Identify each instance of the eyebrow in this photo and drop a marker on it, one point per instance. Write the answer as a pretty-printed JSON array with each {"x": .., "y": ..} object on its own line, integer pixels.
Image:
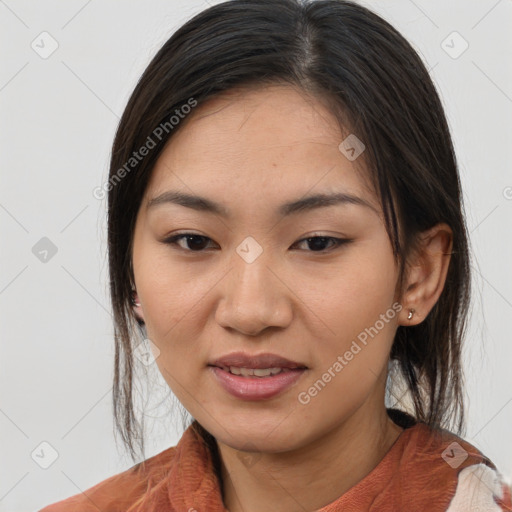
[{"x": 308, "y": 203}]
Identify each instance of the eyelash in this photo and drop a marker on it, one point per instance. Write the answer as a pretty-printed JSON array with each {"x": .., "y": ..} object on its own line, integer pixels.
[{"x": 338, "y": 242}]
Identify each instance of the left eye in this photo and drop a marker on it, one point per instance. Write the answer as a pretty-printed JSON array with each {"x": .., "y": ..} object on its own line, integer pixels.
[
  {"x": 319, "y": 241},
  {"x": 196, "y": 243}
]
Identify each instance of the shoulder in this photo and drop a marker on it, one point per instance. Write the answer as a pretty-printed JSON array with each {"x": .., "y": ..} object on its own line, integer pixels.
[
  {"x": 118, "y": 492},
  {"x": 447, "y": 469},
  {"x": 480, "y": 487}
]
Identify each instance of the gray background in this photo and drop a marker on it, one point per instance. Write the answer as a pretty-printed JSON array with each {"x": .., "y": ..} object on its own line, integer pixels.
[{"x": 58, "y": 118}]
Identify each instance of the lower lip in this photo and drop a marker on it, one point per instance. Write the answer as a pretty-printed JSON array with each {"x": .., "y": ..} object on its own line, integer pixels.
[{"x": 256, "y": 388}]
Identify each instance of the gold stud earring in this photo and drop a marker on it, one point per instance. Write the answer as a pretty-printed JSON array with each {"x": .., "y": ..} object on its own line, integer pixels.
[{"x": 411, "y": 313}]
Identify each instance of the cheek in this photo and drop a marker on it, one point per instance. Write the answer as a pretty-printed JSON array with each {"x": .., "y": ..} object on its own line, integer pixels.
[
  {"x": 358, "y": 291},
  {"x": 174, "y": 296},
  {"x": 358, "y": 310},
  {"x": 171, "y": 305},
  {"x": 167, "y": 287}
]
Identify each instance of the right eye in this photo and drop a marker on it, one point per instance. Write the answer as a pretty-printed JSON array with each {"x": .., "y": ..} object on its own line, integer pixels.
[{"x": 193, "y": 242}]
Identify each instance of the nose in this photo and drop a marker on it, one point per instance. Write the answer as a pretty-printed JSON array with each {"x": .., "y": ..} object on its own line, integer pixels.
[{"x": 254, "y": 297}]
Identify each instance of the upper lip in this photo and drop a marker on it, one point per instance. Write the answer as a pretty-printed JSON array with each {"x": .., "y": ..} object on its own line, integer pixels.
[{"x": 266, "y": 360}]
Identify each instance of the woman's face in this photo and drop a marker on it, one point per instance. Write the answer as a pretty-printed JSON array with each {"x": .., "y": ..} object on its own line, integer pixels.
[{"x": 249, "y": 282}]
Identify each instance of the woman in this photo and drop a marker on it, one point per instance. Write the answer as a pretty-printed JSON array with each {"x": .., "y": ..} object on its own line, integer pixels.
[{"x": 286, "y": 227}]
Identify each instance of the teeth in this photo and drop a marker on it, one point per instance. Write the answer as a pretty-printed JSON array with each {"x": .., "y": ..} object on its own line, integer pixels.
[
  {"x": 254, "y": 372},
  {"x": 265, "y": 372}
]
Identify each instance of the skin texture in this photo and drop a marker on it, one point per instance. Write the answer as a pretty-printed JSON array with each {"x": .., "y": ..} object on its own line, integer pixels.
[{"x": 252, "y": 150}]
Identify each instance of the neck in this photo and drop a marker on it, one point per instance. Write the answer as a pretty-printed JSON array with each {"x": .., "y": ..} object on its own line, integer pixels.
[{"x": 311, "y": 476}]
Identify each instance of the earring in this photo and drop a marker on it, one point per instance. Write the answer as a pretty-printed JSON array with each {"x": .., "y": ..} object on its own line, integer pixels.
[
  {"x": 411, "y": 313},
  {"x": 134, "y": 301}
]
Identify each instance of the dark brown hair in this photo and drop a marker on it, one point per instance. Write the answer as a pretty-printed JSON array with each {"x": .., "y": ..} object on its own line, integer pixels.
[{"x": 379, "y": 89}]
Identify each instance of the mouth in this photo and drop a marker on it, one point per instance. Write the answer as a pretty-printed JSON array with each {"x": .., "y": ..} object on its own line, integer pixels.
[
  {"x": 257, "y": 372},
  {"x": 256, "y": 377},
  {"x": 251, "y": 362}
]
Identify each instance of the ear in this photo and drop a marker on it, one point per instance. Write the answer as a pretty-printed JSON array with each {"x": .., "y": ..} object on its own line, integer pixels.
[
  {"x": 137, "y": 308},
  {"x": 426, "y": 273}
]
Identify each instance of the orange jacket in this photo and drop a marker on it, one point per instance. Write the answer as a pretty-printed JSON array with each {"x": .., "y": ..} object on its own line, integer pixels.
[{"x": 424, "y": 470}]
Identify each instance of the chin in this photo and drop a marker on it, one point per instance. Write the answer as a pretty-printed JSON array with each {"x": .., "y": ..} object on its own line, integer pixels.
[{"x": 270, "y": 435}]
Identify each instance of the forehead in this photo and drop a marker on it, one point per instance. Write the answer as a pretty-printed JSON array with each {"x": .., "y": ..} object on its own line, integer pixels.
[
  {"x": 267, "y": 116},
  {"x": 275, "y": 139}
]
